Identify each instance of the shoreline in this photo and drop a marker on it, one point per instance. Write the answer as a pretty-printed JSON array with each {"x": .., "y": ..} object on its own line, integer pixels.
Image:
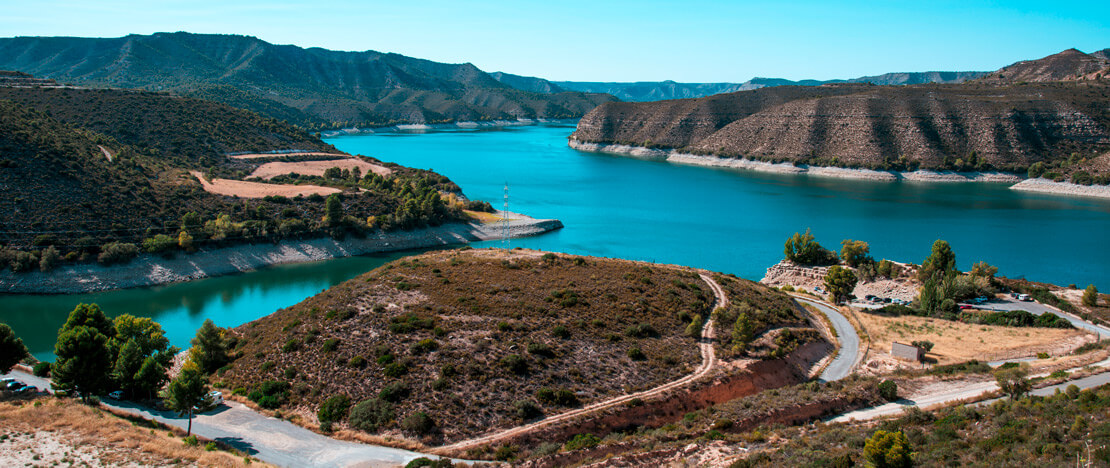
[
  {"x": 676, "y": 157},
  {"x": 463, "y": 125},
  {"x": 1041, "y": 185},
  {"x": 154, "y": 270}
]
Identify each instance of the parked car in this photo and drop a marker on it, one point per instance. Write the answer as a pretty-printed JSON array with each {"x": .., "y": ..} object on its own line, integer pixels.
[
  {"x": 216, "y": 397},
  {"x": 116, "y": 395},
  {"x": 979, "y": 300},
  {"x": 27, "y": 390},
  {"x": 869, "y": 297},
  {"x": 1025, "y": 298},
  {"x": 7, "y": 380},
  {"x": 14, "y": 385},
  {"x": 966, "y": 306},
  {"x": 1015, "y": 295}
]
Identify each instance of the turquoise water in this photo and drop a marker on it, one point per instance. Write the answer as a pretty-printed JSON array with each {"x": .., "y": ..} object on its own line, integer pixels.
[
  {"x": 181, "y": 308},
  {"x": 737, "y": 221},
  {"x": 615, "y": 206}
]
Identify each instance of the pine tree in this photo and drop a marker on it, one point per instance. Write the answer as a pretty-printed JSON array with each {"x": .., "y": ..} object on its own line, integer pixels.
[
  {"x": 187, "y": 391},
  {"x": 12, "y": 349},
  {"x": 209, "y": 350}
]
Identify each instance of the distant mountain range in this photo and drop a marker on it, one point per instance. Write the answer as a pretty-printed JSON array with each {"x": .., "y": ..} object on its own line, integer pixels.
[
  {"x": 1051, "y": 110},
  {"x": 642, "y": 91},
  {"x": 314, "y": 88}
]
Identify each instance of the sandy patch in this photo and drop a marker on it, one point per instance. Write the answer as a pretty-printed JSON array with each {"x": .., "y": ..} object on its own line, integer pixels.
[
  {"x": 239, "y": 188},
  {"x": 958, "y": 342},
  {"x": 281, "y": 155},
  {"x": 107, "y": 154},
  {"x": 1041, "y": 185},
  {"x": 316, "y": 168}
]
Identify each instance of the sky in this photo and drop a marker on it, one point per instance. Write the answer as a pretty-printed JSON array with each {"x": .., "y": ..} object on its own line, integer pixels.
[{"x": 598, "y": 40}]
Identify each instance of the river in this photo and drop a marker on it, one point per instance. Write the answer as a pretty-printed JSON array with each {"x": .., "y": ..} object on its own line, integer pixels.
[{"x": 616, "y": 206}]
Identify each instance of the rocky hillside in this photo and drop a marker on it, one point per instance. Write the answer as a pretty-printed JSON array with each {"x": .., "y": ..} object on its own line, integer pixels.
[
  {"x": 82, "y": 169},
  {"x": 968, "y": 126},
  {"x": 1069, "y": 65},
  {"x": 314, "y": 88},
  {"x": 484, "y": 339}
]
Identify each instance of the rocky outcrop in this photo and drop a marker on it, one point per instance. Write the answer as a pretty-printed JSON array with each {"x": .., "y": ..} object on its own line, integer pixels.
[{"x": 906, "y": 127}]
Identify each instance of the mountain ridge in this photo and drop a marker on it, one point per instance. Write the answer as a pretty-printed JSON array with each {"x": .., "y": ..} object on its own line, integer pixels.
[{"x": 315, "y": 88}]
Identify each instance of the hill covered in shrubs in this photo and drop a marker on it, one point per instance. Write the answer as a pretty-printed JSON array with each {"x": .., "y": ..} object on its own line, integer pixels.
[
  {"x": 105, "y": 174},
  {"x": 449, "y": 345}
]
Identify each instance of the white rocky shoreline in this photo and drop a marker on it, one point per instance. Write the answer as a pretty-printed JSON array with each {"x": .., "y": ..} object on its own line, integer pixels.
[
  {"x": 1038, "y": 185},
  {"x": 463, "y": 125},
  {"x": 151, "y": 270},
  {"x": 674, "y": 156}
]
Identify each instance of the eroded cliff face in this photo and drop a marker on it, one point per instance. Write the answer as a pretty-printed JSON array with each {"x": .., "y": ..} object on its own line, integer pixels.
[{"x": 1007, "y": 126}]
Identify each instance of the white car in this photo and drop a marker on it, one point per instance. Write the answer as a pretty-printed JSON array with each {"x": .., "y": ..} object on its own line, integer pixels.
[{"x": 216, "y": 397}]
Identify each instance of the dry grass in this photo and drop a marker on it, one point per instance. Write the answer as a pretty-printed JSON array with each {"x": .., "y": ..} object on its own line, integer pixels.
[
  {"x": 50, "y": 430},
  {"x": 958, "y": 342},
  {"x": 281, "y": 155},
  {"x": 239, "y": 188},
  {"x": 483, "y": 217},
  {"x": 316, "y": 168},
  {"x": 487, "y": 306}
]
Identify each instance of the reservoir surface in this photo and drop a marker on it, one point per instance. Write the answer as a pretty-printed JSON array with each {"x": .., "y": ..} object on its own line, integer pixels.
[{"x": 615, "y": 206}]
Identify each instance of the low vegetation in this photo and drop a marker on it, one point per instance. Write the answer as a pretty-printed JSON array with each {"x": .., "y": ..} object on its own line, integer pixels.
[
  {"x": 1034, "y": 431},
  {"x": 448, "y": 345},
  {"x": 59, "y": 432},
  {"x": 87, "y": 181},
  {"x": 759, "y": 323}
]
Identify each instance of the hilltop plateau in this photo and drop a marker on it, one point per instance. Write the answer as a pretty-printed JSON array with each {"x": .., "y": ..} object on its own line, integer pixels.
[
  {"x": 447, "y": 346},
  {"x": 314, "y": 88}
]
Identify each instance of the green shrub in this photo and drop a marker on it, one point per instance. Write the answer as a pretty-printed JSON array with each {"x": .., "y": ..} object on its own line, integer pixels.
[
  {"x": 394, "y": 392},
  {"x": 330, "y": 345},
  {"x": 395, "y": 369},
  {"x": 540, "y": 349},
  {"x": 270, "y": 394},
  {"x": 560, "y": 332},
  {"x": 888, "y": 390},
  {"x": 357, "y": 362},
  {"x": 408, "y": 322},
  {"x": 426, "y": 345},
  {"x": 636, "y": 354},
  {"x": 290, "y": 346},
  {"x": 583, "y": 441},
  {"x": 42, "y": 369},
  {"x": 428, "y": 462},
  {"x": 371, "y": 415},
  {"x": 642, "y": 330},
  {"x": 290, "y": 372},
  {"x": 333, "y": 409},
  {"x": 267, "y": 366},
  {"x": 190, "y": 441},
  {"x": 561, "y": 397},
  {"x": 418, "y": 423},
  {"x": 526, "y": 409},
  {"x": 515, "y": 363},
  {"x": 117, "y": 252}
]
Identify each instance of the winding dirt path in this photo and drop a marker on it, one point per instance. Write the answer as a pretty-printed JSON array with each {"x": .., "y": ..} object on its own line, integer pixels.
[{"x": 708, "y": 362}]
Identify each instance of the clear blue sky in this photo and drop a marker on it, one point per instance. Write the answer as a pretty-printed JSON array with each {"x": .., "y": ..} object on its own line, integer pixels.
[{"x": 598, "y": 40}]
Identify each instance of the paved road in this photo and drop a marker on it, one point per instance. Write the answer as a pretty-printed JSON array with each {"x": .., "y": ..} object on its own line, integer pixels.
[
  {"x": 269, "y": 439},
  {"x": 847, "y": 358},
  {"x": 1036, "y": 308},
  {"x": 968, "y": 392}
]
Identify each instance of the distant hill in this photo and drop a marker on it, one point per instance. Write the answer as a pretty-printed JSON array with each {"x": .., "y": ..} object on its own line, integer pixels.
[
  {"x": 662, "y": 90},
  {"x": 969, "y": 126},
  {"x": 1068, "y": 65},
  {"x": 83, "y": 168},
  {"x": 315, "y": 88}
]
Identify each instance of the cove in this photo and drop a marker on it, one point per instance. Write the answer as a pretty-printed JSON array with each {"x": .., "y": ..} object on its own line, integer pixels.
[{"x": 616, "y": 206}]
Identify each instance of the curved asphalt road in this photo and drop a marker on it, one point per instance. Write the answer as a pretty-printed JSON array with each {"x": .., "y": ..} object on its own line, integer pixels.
[
  {"x": 269, "y": 439},
  {"x": 846, "y": 358}
]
